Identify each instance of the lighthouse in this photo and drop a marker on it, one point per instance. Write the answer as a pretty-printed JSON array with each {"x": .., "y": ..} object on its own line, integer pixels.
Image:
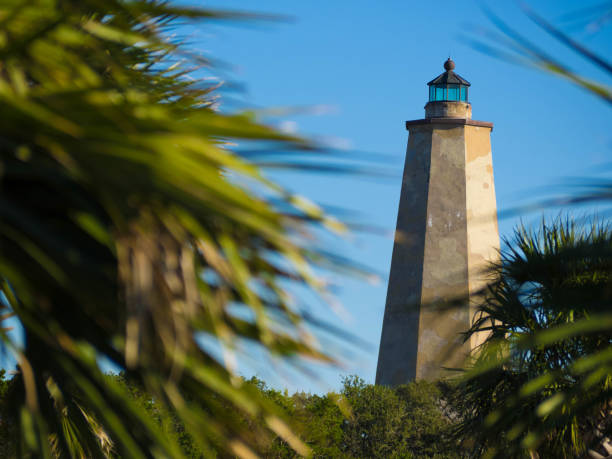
[{"x": 446, "y": 235}]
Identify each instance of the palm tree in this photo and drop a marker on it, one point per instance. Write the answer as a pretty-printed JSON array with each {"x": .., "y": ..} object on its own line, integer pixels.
[
  {"x": 541, "y": 382},
  {"x": 130, "y": 231}
]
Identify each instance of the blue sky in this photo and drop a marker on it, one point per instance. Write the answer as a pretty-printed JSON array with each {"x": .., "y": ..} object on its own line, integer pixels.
[{"x": 362, "y": 68}]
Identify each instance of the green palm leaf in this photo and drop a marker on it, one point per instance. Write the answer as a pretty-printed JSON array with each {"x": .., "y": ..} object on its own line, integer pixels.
[
  {"x": 128, "y": 228},
  {"x": 541, "y": 380}
]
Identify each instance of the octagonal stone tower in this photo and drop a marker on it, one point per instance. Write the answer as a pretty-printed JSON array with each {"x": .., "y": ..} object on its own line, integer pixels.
[{"x": 445, "y": 236}]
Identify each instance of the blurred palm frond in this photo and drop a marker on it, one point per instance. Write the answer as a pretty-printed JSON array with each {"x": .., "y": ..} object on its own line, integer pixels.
[{"x": 129, "y": 227}]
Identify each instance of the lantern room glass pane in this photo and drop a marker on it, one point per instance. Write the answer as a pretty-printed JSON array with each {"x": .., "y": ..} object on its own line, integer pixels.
[{"x": 451, "y": 92}]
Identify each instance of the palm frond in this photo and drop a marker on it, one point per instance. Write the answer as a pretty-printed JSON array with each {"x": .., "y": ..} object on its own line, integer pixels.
[{"x": 129, "y": 227}]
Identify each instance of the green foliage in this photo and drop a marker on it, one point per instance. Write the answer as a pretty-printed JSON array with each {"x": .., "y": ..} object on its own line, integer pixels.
[
  {"x": 8, "y": 429},
  {"x": 361, "y": 421},
  {"x": 403, "y": 422},
  {"x": 368, "y": 421},
  {"x": 546, "y": 388},
  {"x": 542, "y": 379},
  {"x": 167, "y": 421},
  {"x": 128, "y": 228},
  {"x": 512, "y": 46}
]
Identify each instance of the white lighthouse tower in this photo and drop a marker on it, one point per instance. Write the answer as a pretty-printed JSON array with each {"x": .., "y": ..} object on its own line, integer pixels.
[{"x": 445, "y": 236}]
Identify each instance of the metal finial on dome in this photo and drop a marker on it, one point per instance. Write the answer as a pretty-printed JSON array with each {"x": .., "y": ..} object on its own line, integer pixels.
[{"x": 449, "y": 65}]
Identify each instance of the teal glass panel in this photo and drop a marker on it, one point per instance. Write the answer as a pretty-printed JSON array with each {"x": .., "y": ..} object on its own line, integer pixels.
[
  {"x": 453, "y": 92},
  {"x": 464, "y": 93},
  {"x": 440, "y": 92},
  {"x": 432, "y": 93}
]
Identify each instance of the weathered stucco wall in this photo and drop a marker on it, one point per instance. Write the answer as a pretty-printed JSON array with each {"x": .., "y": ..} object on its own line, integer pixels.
[
  {"x": 445, "y": 269},
  {"x": 446, "y": 233},
  {"x": 483, "y": 232},
  {"x": 399, "y": 339},
  {"x": 448, "y": 109}
]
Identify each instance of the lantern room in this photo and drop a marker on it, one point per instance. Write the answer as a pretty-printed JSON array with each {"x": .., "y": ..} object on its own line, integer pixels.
[{"x": 448, "y": 86}]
